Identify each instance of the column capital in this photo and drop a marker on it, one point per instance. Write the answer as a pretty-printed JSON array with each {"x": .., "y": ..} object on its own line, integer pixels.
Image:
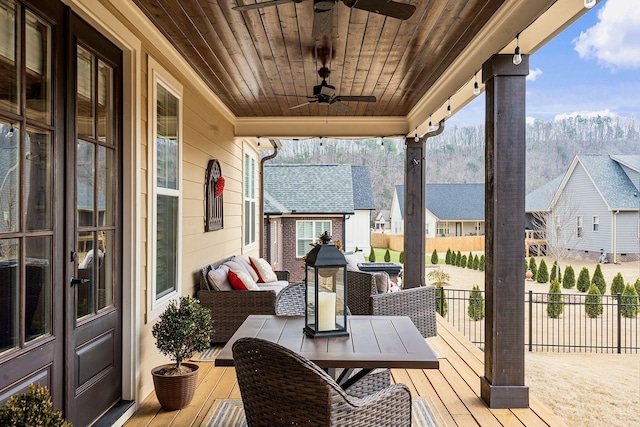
[{"x": 502, "y": 65}]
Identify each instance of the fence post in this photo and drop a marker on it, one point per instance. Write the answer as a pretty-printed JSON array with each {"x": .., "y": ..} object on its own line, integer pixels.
[
  {"x": 619, "y": 295},
  {"x": 530, "y": 320}
]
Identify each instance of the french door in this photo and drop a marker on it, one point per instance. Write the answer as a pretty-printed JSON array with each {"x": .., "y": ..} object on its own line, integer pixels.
[{"x": 60, "y": 209}]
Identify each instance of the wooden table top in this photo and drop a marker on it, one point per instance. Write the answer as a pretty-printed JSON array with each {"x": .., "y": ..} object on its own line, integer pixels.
[{"x": 373, "y": 342}]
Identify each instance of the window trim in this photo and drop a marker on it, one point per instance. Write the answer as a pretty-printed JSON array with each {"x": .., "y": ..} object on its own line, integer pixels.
[
  {"x": 316, "y": 233},
  {"x": 595, "y": 223},
  {"x": 249, "y": 178},
  {"x": 158, "y": 75},
  {"x": 580, "y": 226}
]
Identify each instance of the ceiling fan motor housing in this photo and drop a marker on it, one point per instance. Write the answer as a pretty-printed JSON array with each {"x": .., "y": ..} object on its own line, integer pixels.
[{"x": 322, "y": 5}]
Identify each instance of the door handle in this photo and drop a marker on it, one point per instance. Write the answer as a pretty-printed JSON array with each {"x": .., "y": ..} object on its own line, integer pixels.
[{"x": 76, "y": 281}]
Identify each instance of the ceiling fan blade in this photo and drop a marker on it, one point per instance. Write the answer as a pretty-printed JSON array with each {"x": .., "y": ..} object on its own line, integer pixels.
[
  {"x": 263, "y": 4},
  {"x": 300, "y": 105},
  {"x": 343, "y": 108},
  {"x": 383, "y": 7},
  {"x": 357, "y": 98},
  {"x": 322, "y": 23}
]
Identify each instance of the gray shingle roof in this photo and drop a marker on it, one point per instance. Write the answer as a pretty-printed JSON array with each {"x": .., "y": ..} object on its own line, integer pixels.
[
  {"x": 448, "y": 202},
  {"x": 611, "y": 181},
  {"x": 540, "y": 199},
  {"x": 316, "y": 189}
]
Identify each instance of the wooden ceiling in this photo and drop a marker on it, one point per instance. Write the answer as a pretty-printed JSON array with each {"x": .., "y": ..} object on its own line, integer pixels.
[{"x": 261, "y": 62}]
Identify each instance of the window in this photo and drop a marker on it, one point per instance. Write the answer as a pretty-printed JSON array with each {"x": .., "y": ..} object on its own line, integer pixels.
[
  {"x": 274, "y": 243},
  {"x": 579, "y": 224},
  {"x": 165, "y": 168},
  {"x": 426, "y": 229},
  {"x": 249, "y": 199},
  {"x": 443, "y": 229},
  {"x": 596, "y": 223},
  {"x": 307, "y": 232}
]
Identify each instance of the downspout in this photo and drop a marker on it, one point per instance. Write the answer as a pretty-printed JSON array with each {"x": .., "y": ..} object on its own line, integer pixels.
[
  {"x": 276, "y": 144},
  {"x": 614, "y": 231}
]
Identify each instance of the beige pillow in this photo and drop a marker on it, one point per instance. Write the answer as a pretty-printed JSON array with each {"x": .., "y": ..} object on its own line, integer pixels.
[
  {"x": 242, "y": 281},
  {"x": 218, "y": 278},
  {"x": 244, "y": 261},
  {"x": 382, "y": 281},
  {"x": 263, "y": 269}
]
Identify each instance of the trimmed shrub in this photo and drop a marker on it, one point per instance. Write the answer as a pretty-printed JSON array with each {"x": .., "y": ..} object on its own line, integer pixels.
[
  {"x": 481, "y": 265},
  {"x": 463, "y": 261},
  {"x": 33, "y": 408},
  {"x": 458, "y": 259},
  {"x": 593, "y": 302},
  {"x": 555, "y": 305},
  {"x": 629, "y": 302},
  {"x": 387, "y": 256},
  {"x": 543, "y": 275},
  {"x": 637, "y": 286},
  {"x": 533, "y": 267},
  {"x": 476, "y": 262},
  {"x": 470, "y": 261},
  {"x": 476, "y": 304},
  {"x": 442, "y": 307},
  {"x": 569, "y": 279},
  {"x": 598, "y": 280},
  {"x": 401, "y": 257},
  {"x": 434, "y": 257},
  {"x": 559, "y": 275},
  {"x": 372, "y": 255},
  {"x": 447, "y": 258},
  {"x": 583, "y": 280},
  {"x": 554, "y": 271},
  {"x": 617, "y": 285}
]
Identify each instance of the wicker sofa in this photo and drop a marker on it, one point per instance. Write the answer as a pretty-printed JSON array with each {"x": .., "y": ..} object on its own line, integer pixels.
[
  {"x": 229, "y": 308},
  {"x": 365, "y": 298}
]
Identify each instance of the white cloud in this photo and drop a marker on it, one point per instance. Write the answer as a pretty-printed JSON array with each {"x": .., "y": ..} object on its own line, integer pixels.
[
  {"x": 531, "y": 120},
  {"x": 586, "y": 114},
  {"x": 533, "y": 74},
  {"x": 615, "y": 40}
]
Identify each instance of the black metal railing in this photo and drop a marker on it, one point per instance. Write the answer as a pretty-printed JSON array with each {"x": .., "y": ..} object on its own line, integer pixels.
[{"x": 571, "y": 324}]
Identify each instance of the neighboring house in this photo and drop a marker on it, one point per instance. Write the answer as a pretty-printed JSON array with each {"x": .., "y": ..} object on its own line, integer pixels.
[
  {"x": 452, "y": 210},
  {"x": 598, "y": 200},
  {"x": 303, "y": 201},
  {"x": 382, "y": 222}
]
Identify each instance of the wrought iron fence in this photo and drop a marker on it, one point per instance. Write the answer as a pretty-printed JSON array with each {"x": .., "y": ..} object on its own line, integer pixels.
[{"x": 572, "y": 323}]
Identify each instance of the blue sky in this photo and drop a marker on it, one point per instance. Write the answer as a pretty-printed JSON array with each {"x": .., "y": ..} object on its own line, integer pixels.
[{"x": 592, "y": 67}]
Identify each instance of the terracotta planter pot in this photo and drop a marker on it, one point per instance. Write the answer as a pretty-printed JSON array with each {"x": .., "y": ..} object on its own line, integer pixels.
[{"x": 176, "y": 391}]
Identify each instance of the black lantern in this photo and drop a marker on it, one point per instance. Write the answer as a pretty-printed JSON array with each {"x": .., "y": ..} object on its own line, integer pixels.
[{"x": 326, "y": 291}]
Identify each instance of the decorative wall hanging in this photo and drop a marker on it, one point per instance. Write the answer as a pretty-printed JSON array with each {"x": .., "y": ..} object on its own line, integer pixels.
[{"x": 214, "y": 188}]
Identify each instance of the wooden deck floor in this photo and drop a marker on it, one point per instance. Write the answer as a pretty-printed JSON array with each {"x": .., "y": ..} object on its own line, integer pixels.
[{"x": 453, "y": 390}]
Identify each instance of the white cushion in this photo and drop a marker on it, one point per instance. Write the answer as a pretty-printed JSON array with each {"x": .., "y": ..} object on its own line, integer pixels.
[
  {"x": 218, "y": 279},
  {"x": 353, "y": 260},
  {"x": 276, "y": 286},
  {"x": 247, "y": 266},
  {"x": 263, "y": 269}
]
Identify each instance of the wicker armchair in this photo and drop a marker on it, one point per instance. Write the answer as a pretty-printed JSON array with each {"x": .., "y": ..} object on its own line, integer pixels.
[
  {"x": 282, "y": 388},
  {"x": 417, "y": 303},
  {"x": 229, "y": 309}
]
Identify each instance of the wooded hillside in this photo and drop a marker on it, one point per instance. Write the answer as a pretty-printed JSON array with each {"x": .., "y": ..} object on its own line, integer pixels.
[{"x": 457, "y": 155}]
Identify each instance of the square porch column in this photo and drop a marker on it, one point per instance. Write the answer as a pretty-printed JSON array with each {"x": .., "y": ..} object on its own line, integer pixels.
[
  {"x": 502, "y": 385},
  {"x": 415, "y": 213}
]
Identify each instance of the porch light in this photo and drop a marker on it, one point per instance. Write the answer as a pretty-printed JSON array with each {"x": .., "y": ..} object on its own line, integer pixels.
[
  {"x": 517, "y": 57},
  {"x": 325, "y": 291},
  {"x": 476, "y": 87},
  {"x": 589, "y": 3}
]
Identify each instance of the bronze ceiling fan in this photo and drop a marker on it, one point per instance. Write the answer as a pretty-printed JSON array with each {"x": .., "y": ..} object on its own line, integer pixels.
[
  {"x": 323, "y": 10},
  {"x": 325, "y": 94}
]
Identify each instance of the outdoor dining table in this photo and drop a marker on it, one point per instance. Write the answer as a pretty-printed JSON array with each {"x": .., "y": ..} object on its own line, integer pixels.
[{"x": 373, "y": 342}]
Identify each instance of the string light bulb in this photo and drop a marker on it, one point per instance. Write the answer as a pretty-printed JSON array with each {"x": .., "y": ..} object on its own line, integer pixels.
[
  {"x": 10, "y": 133},
  {"x": 430, "y": 120},
  {"x": 589, "y": 3},
  {"x": 449, "y": 108},
  {"x": 476, "y": 87},
  {"x": 415, "y": 138},
  {"x": 517, "y": 57}
]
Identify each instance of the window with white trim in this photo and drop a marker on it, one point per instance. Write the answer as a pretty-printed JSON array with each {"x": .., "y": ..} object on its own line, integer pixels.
[
  {"x": 596, "y": 223},
  {"x": 442, "y": 229},
  {"x": 307, "y": 232},
  {"x": 165, "y": 167},
  {"x": 249, "y": 199},
  {"x": 579, "y": 225}
]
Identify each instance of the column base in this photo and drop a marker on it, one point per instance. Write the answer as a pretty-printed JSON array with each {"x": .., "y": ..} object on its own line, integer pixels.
[{"x": 502, "y": 397}]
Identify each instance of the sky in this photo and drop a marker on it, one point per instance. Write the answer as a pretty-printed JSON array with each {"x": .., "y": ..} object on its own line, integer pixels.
[{"x": 591, "y": 68}]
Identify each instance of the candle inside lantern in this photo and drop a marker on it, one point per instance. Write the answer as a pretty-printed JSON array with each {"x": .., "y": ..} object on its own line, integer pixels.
[{"x": 326, "y": 311}]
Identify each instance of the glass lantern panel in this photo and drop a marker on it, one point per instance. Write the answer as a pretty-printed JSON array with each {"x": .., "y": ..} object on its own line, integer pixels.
[{"x": 311, "y": 297}]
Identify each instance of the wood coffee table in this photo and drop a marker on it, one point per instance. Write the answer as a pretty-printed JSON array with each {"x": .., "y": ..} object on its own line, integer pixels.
[{"x": 373, "y": 342}]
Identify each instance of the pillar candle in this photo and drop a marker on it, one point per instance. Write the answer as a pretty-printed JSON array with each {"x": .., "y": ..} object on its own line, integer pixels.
[{"x": 326, "y": 311}]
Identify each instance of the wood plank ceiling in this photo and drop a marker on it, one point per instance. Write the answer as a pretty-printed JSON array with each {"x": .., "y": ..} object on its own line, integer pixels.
[{"x": 261, "y": 62}]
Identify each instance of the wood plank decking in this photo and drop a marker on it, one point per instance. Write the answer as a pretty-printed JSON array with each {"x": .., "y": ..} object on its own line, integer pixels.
[{"x": 453, "y": 390}]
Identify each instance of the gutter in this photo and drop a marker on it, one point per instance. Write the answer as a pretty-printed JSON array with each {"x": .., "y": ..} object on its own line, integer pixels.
[
  {"x": 614, "y": 231},
  {"x": 276, "y": 146}
]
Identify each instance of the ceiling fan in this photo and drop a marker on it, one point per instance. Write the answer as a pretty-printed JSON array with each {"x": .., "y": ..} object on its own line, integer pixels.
[
  {"x": 325, "y": 94},
  {"x": 323, "y": 10}
]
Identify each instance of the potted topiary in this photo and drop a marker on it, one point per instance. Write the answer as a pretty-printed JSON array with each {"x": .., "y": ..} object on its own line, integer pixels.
[{"x": 182, "y": 329}]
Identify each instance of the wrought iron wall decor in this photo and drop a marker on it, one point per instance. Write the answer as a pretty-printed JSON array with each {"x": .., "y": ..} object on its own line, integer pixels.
[{"x": 214, "y": 186}]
